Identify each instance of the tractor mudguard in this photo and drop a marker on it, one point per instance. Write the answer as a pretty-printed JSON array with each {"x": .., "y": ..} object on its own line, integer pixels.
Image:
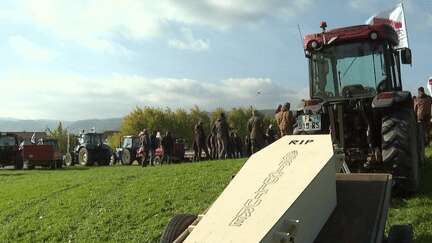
[{"x": 392, "y": 98}]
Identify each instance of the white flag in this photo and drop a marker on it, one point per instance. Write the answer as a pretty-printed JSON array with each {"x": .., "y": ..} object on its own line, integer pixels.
[
  {"x": 429, "y": 85},
  {"x": 395, "y": 18}
]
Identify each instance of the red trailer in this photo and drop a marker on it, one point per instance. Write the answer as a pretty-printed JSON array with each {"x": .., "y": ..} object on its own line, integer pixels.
[{"x": 45, "y": 155}]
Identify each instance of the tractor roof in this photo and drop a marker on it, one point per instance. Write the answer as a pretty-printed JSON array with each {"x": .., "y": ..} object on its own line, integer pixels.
[
  {"x": 8, "y": 134},
  {"x": 353, "y": 33},
  {"x": 130, "y": 136}
]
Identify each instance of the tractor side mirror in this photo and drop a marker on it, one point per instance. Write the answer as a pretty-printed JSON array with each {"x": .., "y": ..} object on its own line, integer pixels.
[{"x": 406, "y": 56}]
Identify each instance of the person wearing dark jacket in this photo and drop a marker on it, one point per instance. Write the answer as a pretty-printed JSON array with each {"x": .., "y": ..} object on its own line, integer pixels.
[
  {"x": 200, "y": 141},
  {"x": 153, "y": 144},
  {"x": 145, "y": 145},
  {"x": 167, "y": 147}
]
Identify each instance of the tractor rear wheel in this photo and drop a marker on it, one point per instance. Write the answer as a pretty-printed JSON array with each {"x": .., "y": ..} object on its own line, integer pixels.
[
  {"x": 126, "y": 157},
  {"x": 400, "y": 150},
  {"x": 176, "y": 226},
  {"x": 84, "y": 157}
]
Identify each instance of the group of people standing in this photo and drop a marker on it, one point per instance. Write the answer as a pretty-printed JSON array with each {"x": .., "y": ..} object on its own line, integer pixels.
[
  {"x": 222, "y": 143},
  {"x": 150, "y": 141}
]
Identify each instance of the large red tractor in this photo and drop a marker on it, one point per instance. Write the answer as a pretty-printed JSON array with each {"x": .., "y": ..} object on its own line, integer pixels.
[{"x": 356, "y": 95}]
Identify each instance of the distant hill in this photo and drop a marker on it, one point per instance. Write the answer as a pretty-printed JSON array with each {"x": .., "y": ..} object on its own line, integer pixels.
[
  {"x": 101, "y": 125},
  {"x": 17, "y": 125}
]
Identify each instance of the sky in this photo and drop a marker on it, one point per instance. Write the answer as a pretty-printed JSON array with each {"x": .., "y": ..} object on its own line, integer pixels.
[{"x": 84, "y": 59}]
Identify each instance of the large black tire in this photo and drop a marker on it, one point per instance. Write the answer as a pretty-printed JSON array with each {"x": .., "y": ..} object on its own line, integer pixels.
[
  {"x": 84, "y": 157},
  {"x": 126, "y": 157},
  {"x": 176, "y": 226},
  {"x": 106, "y": 158},
  {"x": 400, "y": 150},
  {"x": 401, "y": 234}
]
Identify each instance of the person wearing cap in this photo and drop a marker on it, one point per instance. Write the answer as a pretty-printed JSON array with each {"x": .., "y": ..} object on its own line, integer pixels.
[{"x": 422, "y": 109}]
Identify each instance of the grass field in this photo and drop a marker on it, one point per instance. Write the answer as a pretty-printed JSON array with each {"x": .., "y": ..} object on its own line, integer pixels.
[{"x": 133, "y": 204}]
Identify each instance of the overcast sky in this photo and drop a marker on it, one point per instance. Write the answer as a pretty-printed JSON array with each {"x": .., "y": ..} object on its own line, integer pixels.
[{"x": 80, "y": 59}]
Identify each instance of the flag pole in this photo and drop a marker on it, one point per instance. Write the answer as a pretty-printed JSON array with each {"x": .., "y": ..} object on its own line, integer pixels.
[{"x": 406, "y": 26}]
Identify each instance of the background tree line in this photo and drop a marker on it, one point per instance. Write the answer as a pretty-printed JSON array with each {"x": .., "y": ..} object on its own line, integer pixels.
[{"x": 181, "y": 122}]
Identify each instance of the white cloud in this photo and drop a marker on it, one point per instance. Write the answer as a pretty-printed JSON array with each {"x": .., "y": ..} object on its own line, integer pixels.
[
  {"x": 189, "y": 42},
  {"x": 30, "y": 50},
  {"x": 72, "y": 96},
  {"x": 97, "y": 23}
]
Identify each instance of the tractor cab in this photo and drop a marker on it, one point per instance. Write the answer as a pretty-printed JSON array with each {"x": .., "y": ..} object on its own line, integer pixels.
[
  {"x": 354, "y": 62},
  {"x": 8, "y": 140},
  {"x": 91, "y": 139},
  {"x": 130, "y": 142}
]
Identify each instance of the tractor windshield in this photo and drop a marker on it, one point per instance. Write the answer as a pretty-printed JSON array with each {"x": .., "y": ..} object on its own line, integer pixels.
[
  {"x": 7, "y": 141},
  {"x": 127, "y": 143},
  {"x": 95, "y": 139},
  {"x": 348, "y": 70}
]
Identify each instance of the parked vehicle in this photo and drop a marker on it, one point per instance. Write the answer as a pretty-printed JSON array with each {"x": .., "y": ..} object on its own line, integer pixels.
[
  {"x": 127, "y": 151},
  {"x": 9, "y": 151},
  {"x": 356, "y": 95},
  {"x": 178, "y": 154},
  {"x": 90, "y": 150},
  {"x": 46, "y": 154}
]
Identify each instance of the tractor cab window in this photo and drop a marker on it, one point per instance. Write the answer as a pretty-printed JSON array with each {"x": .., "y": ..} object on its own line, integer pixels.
[
  {"x": 127, "y": 143},
  {"x": 348, "y": 70},
  {"x": 7, "y": 141}
]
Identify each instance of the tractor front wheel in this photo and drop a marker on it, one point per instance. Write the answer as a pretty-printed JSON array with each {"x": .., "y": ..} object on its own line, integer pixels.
[
  {"x": 400, "y": 150},
  {"x": 84, "y": 157},
  {"x": 126, "y": 157}
]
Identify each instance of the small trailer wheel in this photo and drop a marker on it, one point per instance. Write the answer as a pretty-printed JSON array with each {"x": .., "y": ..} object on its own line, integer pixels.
[
  {"x": 176, "y": 226},
  {"x": 401, "y": 234}
]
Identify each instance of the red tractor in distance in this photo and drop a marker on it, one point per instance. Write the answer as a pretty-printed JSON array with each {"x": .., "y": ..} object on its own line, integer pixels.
[{"x": 356, "y": 95}]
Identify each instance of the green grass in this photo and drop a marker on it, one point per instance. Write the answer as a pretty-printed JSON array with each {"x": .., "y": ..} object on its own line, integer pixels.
[{"x": 133, "y": 204}]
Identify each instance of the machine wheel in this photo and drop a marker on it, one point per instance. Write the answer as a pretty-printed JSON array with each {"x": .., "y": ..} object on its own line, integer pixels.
[
  {"x": 68, "y": 160},
  {"x": 84, "y": 157},
  {"x": 400, "y": 234},
  {"x": 176, "y": 226},
  {"x": 126, "y": 157},
  {"x": 400, "y": 150},
  {"x": 106, "y": 159},
  {"x": 19, "y": 163},
  {"x": 157, "y": 160}
]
